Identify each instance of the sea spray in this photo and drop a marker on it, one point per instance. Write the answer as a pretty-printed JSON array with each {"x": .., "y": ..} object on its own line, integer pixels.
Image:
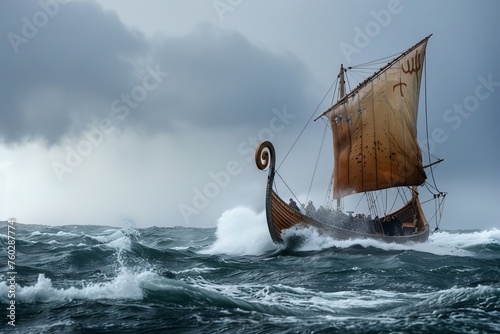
[
  {"x": 117, "y": 284},
  {"x": 241, "y": 231},
  {"x": 126, "y": 285}
]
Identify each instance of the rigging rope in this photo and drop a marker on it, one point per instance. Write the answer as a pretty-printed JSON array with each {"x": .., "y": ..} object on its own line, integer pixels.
[
  {"x": 427, "y": 127},
  {"x": 348, "y": 83},
  {"x": 334, "y": 90},
  {"x": 376, "y": 61},
  {"x": 316, "y": 165},
  {"x": 288, "y": 188},
  {"x": 307, "y": 123},
  {"x": 438, "y": 203},
  {"x": 328, "y": 197}
]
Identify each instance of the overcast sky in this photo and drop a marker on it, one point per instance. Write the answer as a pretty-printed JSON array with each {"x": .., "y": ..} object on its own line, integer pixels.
[{"x": 151, "y": 110}]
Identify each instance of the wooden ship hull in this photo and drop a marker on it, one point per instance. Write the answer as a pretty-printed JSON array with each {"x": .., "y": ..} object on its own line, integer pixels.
[
  {"x": 375, "y": 151},
  {"x": 281, "y": 217}
]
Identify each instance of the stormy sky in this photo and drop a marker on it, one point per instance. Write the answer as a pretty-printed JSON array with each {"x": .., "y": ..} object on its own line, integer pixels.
[{"x": 151, "y": 110}]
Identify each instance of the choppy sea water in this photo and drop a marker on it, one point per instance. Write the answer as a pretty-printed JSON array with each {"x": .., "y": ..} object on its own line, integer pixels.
[{"x": 233, "y": 279}]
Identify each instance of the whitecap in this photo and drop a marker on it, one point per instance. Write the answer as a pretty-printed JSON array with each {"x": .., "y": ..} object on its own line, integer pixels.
[
  {"x": 241, "y": 231},
  {"x": 126, "y": 285},
  {"x": 108, "y": 237},
  {"x": 123, "y": 243}
]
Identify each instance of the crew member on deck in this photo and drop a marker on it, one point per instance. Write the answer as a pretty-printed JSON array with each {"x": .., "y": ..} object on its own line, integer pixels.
[
  {"x": 310, "y": 209},
  {"x": 293, "y": 205}
]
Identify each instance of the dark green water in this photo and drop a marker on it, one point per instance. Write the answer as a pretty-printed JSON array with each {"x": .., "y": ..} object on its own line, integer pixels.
[{"x": 91, "y": 279}]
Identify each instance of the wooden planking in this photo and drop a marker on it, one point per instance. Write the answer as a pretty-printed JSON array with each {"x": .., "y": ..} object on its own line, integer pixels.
[{"x": 285, "y": 217}]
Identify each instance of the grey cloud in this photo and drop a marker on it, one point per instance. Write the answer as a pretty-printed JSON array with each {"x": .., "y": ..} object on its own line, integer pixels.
[
  {"x": 84, "y": 58},
  {"x": 80, "y": 60},
  {"x": 218, "y": 78}
]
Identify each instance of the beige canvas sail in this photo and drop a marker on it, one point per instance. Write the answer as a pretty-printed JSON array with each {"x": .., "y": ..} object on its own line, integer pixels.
[{"x": 375, "y": 129}]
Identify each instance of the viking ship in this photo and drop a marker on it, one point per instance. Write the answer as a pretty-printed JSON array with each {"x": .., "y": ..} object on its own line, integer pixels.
[{"x": 374, "y": 130}]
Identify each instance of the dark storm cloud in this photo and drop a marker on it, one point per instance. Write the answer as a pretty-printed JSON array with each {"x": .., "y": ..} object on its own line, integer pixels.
[
  {"x": 66, "y": 63},
  {"x": 218, "y": 78},
  {"x": 59, "y": 61}
]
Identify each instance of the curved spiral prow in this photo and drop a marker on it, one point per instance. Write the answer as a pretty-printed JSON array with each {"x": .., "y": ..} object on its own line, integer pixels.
[{"x": 265, "y": 156}]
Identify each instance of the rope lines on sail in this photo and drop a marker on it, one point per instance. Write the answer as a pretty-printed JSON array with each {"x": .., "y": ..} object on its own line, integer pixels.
[
  {"x": 361, "y": 71},
  {"x": 372, "y": 63},
  {"x": 358, "y": 76}
]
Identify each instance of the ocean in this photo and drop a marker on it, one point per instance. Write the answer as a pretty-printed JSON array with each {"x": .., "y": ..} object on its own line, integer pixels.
[{"x": 233, "y": 279}]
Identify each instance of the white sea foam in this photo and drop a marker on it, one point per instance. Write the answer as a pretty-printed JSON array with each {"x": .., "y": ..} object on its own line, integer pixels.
[
  {"x": 464, "y": 239},
  {"x": 123, "y": 243},
  {"x": 58, "y": 234},
  {"x": 196, "y": 270},
  {"x": 108, "y": 237},
  {"x": 440, "y": 243},
  {"x": 310, "y": 239},
  {"x": 241, "y": 231},
  {"x": 66, "y": 234},
  {"x": 180, "y": 248},
  {"x": 117, "y": 240},
  {"x": 110, "y": 231},
  {"x": 299, "y": 298},
  {"x": 441, "y": 299},
  {"x": 126, "y": 285}
]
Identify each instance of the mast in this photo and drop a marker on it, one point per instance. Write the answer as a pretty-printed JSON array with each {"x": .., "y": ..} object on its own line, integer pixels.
[
  {"x": 341, "y": 96},
  {"x": 372, "y": 77},
  {"x": 342, "y": 82},
  {"x": 374, "y": 128}
]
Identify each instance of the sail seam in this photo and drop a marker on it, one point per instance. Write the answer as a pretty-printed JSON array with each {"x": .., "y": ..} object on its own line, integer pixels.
[
  {"x": 389, "y": 106},
  {"x": 373, "y": 76},
  {"x": 374, "y": 137}
]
